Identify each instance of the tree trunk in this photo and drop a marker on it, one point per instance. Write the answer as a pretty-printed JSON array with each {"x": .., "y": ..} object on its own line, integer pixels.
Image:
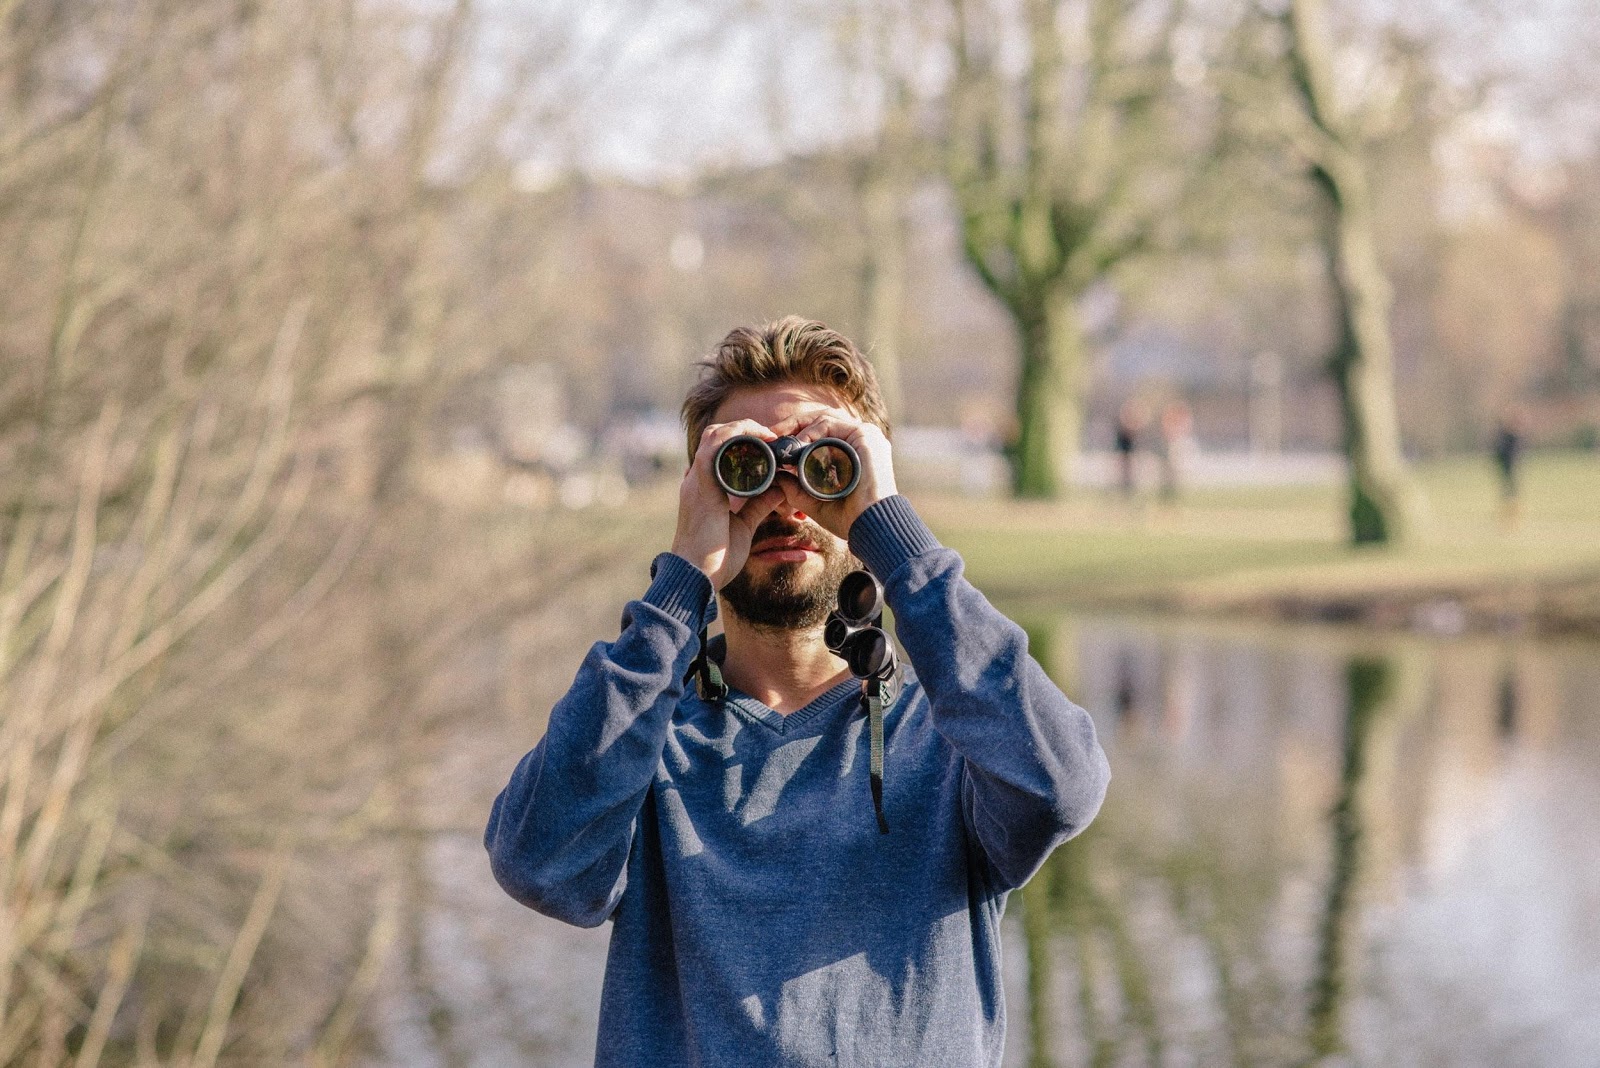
[
  {"x": 1382, "y": 502},
  {"x": 1049, "y": 416}
]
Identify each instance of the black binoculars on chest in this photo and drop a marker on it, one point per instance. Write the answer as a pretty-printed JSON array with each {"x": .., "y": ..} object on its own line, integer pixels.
[{"x": 854, "y": 632}]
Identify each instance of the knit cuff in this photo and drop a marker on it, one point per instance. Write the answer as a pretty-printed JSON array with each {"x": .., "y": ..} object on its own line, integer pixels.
[
  {"x": 681, "y": 590},
  {"x": 888, "y": 534}
]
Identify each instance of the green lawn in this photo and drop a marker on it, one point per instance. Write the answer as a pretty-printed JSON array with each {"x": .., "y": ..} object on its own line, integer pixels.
[{"x": 1219, "y": 548}]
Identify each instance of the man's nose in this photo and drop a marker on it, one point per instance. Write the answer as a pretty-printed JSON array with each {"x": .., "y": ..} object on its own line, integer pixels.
[{"x": 794, "y": 501}]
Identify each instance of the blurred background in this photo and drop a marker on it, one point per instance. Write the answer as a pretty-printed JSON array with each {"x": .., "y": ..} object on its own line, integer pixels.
[{"x": 1249, "y": 350}]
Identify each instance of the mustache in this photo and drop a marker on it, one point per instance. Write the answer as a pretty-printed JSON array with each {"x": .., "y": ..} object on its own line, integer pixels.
[{"x": 773, "y": 527}]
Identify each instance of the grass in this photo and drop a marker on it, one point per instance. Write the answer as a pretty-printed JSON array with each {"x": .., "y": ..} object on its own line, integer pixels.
[{"x": 1238, "y": 548}]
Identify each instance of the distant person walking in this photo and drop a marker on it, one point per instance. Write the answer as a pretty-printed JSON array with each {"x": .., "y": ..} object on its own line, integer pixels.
[
  {"x": 1176, "y": 444},
  {"x": 1130, "y": 421},
  {"x": 1509, "y": 442}
]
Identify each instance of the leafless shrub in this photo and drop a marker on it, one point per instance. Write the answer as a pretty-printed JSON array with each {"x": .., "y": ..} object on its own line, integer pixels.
[{"x": 250, "y": 252}]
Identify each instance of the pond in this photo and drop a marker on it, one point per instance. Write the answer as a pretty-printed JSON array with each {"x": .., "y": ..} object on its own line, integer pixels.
[
  {"x": 1331, "y": 844},
  {"x": 1320, "y": 844}
]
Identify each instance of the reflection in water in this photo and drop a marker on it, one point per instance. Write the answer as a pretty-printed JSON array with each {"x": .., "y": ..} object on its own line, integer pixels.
[
  {"x": 1369, "y": 682},
  {"x": 1506, "y": 717},
  {"x": 1290, "y": 853},
  {"x": 1064, "y": 900},
  {"x": 1318, "y": 845}
]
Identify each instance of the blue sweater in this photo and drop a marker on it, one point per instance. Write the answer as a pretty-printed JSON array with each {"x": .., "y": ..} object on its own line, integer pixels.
[{"x": 759, "y": 918}]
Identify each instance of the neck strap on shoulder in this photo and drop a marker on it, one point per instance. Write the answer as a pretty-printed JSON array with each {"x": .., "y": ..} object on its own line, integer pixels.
[{"x": 706, "y": 670}]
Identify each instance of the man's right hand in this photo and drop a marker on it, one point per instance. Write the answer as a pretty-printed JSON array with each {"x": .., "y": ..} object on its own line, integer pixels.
[{"x": 714, "y": 527}]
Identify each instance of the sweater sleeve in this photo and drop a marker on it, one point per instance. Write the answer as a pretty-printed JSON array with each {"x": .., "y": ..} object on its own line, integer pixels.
[
  {"x": 560, "y": 832},
  {"x": 1033, "y": 773}
]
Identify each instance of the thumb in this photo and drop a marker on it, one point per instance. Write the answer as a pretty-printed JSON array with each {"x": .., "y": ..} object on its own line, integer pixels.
[{"x": 757, "y": 508}]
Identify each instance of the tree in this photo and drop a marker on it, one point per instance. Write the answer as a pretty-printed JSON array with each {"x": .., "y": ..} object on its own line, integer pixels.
[
  {"x": 1383, "y": 503},
  {"x": 1061, "y": 174}
]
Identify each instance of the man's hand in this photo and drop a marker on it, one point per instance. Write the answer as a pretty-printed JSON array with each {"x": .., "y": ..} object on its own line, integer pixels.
[
  {"x": 877, "y": 469},
  {"x": 714, "y": 527}
]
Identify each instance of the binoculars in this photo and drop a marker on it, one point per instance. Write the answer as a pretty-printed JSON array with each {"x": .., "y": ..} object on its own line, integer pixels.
[
  {"x": 853, "y": 632},
  {"x": 827, "y": 468}
]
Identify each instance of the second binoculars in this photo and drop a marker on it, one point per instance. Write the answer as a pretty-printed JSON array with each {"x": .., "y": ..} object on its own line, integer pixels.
[
  {"x": 854, "y": 632},
  {"x": 827, "y": 468}
]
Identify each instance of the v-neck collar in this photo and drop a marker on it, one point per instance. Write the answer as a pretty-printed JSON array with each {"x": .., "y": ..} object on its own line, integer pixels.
[{"x": 781, "y": 724}]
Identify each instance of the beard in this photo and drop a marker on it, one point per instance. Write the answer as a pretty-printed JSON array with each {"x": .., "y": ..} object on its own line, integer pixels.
[{"x": 787, "y": 598}]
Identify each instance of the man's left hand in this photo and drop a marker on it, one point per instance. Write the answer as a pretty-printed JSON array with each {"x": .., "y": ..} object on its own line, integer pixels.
[{"x": 877, "y": 470}]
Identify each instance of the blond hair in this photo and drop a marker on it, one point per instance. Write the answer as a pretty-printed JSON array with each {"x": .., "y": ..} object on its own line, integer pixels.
[{"x": 790, "y": 349}]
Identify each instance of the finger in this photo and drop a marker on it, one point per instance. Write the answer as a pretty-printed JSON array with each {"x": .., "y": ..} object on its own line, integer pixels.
[
  {"x": 788, "y": 424},
  {"x": 717, "y": 433},
  {"x": 751, "y": 511},
  {"x": 829, "y": 423},
  {"x": 738, "y": 426}
]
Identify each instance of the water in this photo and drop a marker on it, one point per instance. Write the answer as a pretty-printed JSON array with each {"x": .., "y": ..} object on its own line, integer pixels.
[
  {"x": 1323, "y": 844},
  {"x": 1320, "y": 845}
]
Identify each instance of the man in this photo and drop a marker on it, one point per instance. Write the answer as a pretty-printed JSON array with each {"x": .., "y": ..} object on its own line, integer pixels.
[{"x": 759, "y": 915}]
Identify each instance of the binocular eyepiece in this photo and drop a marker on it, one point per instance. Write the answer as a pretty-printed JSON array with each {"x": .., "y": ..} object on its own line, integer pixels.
[
  {"x": 827, "y": 468},
  {"x": 852, "y": 632}
]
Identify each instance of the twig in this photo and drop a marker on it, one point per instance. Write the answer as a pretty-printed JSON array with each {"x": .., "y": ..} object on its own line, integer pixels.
[
  {"x": 381, "y": 937},
  {"x": 119, "y": 973},
  {"x": 231, "y": 979},
  {"x": 90, "y": 862},
  {"x": 68, "y": 600},
  {"x": 327, "y": 575}
]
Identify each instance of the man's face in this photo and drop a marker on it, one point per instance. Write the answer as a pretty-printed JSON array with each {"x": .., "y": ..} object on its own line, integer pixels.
[{"x": 791, "y": 578}]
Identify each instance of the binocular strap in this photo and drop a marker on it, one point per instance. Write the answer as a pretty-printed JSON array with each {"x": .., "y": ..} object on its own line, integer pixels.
[
  {"x": 873, "y": 696},
  {"x": 707, "y": 673}
]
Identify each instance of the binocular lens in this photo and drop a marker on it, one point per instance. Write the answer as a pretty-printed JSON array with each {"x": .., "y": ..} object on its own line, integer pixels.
[
  {"x": 827, "y": 471},
  {"x": 868, "y": 653},
  {"x": 745, "y": 466},
  {"x": 860, "y": 597},
  {"x": 835, "y": 634}
]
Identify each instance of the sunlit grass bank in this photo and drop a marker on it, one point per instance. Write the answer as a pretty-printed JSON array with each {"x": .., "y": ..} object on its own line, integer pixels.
[{"x": 1283, "y": 551}]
